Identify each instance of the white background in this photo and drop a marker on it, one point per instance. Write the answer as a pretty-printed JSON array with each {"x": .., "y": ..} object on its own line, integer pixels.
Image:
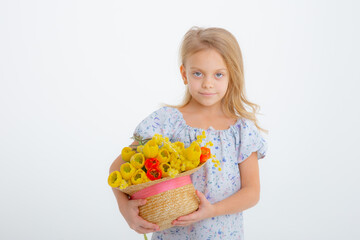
[{"x": 76, "y": 77}]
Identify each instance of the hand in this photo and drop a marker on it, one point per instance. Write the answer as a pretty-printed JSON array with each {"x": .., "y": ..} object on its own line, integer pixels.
[
  {"x": 206, "y": 210},
  {"x": 131, "y": 214}
]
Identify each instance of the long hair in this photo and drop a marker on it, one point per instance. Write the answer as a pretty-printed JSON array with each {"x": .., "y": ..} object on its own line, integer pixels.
[{"x": 235, "y": 102}]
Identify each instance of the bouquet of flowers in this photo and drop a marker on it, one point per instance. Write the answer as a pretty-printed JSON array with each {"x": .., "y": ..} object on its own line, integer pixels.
[{"x": 159, "y": 171}]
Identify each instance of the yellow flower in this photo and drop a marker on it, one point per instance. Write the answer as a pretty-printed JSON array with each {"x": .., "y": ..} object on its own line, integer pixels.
[
  {"x": 200, "y": 137},
  {"x": 209, "y": 144},
  {"x": 163, "y": 156},
  {"x": 140, "y": 148},
  {"x": 169, "y": 146},
  {"x": 173, "y": 172},
  {"x": 127, "y": 170},
  {"x": 126, "y": 153},
  {"x": 196, "y": 162},
  {"x": 165, "y": 168},
  {"x": 138, "y": 177},
  {"x": 187, "y": 165},
  {"x": 124, "y": 184},
  {"x": 193, "y": 152},
  {"x": 146, "y": 179},
  {"x": 183, "y": 167},
  {"x": 175, "y": 163},
  {"x": 173, "y": 156},
  {"x": 129, "y": 183},
  {"x": 216, "y": 161},
  {"x": 180, "y": 145},
  {"x": 150, "y": 149},
  {"x": 191, "y": 165},
  {"x": 158, "y": 139},
  {"x": 137, "y": 160},
  {"x": 114, "y": 179}
]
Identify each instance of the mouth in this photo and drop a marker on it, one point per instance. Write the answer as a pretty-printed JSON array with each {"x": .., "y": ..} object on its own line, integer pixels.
[{"x": 207, "y": 94}]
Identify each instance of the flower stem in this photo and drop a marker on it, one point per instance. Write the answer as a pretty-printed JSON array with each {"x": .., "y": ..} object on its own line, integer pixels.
[{"x": 145, "y": 237}]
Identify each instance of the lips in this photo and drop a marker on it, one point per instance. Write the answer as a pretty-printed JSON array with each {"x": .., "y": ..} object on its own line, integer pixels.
[{"x": 207, "y": 94}]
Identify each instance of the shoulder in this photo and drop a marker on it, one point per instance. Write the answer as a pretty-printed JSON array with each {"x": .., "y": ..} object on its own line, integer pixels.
[
  {"x": 245, "y": 123},
  {"x": 158, "y": 121},
  {"x": 251, "y": 140},
  {"x": 248, "y": 128},
  {"x": 165, "y": 113},
  {"x": 160, "y": 113}
]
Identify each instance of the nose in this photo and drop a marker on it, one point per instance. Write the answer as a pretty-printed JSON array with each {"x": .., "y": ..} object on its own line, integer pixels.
[{"x": 207, "y": 82}]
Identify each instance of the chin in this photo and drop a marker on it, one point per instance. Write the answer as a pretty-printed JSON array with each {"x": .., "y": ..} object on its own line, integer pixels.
[{"x": 207, "y": 104}]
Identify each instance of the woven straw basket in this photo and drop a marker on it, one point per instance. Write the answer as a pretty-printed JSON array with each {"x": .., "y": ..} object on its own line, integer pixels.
[{"x": 167, "y": 206}]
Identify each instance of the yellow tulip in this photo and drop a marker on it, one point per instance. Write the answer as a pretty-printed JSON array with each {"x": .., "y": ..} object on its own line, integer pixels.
[
  {"x": 127, "y": 170},
  {"x": 126, "y": 153},
  {"x": 193, "y": 152},
  {"x": 137, "y": 160},
  {"x": 165, "y": 168},
  {"x": 150, "y": 149},
  {"x": 138, "y": 177},
  {"x": 163, "y": 156},
  {"x": 114, "y": 179},
  {"x": 196, "y": 162}
]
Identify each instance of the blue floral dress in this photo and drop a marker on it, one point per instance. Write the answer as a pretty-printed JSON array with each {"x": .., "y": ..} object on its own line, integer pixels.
[{"x": 231, "y": 147}]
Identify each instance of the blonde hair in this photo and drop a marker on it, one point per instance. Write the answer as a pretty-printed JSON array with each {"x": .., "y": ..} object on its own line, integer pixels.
[{"x": 235, "y": 102}]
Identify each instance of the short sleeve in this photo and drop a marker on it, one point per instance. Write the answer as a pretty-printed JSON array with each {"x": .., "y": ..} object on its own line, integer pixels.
[
  {"x": 152, "y": 124},
  {"x": 251, "y": 141}
]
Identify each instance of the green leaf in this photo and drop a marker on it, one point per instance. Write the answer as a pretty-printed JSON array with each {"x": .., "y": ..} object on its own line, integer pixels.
[{"x": 140, "y": 139}]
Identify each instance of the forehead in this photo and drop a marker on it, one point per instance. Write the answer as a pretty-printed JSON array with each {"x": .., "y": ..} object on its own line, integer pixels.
[{"x": 208, "y": 59}]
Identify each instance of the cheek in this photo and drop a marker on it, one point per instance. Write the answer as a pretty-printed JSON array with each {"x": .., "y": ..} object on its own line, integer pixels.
[
  {"x": 191, "y": 88},
  {"x": 223, "y": 86},
  {"x": 193, "y": 85}
]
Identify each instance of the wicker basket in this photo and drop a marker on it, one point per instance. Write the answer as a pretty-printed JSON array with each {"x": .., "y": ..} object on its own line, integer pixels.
[{"x": 164, "y": 207}]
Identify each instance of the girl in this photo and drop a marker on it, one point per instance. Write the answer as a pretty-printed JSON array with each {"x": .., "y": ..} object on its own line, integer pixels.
[{"x": 215, "y": 101}]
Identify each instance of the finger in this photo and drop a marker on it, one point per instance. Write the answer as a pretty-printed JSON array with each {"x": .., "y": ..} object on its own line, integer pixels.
[
  {"x": 189, "y": 217},
  {"x": 138, "y": 202},
  {"x": 147, "y": 225},
  {"x": 201, "y": 196},
  {"x": 142, "y": 230},
  {"x": 181, "y": 223},
  {"x": 142, "y": 226}
]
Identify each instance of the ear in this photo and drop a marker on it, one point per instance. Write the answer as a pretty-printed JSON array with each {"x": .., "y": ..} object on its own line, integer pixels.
[{"x": 183, "y": 74}]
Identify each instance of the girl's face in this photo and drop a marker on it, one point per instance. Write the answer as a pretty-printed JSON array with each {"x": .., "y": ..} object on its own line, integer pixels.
[{"x": 207, "y": 77}]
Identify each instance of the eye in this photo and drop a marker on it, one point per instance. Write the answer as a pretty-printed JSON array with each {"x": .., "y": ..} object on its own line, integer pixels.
[
  {"x": 197, "y": 74},
  {"x": 219, "y": 75}
]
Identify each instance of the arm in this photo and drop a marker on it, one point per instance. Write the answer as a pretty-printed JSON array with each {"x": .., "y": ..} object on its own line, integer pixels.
[
  {"x": 248, "y": 195},
  {"x": 245, "y": 198},
  {"x": 130, "y": 208}
]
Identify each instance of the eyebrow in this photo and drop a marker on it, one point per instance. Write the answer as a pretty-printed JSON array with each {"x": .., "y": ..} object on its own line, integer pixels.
[{"x": 202, "y": 70}]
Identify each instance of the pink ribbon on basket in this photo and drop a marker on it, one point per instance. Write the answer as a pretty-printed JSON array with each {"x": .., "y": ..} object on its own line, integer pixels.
[{"x": 161, "y": 187}]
